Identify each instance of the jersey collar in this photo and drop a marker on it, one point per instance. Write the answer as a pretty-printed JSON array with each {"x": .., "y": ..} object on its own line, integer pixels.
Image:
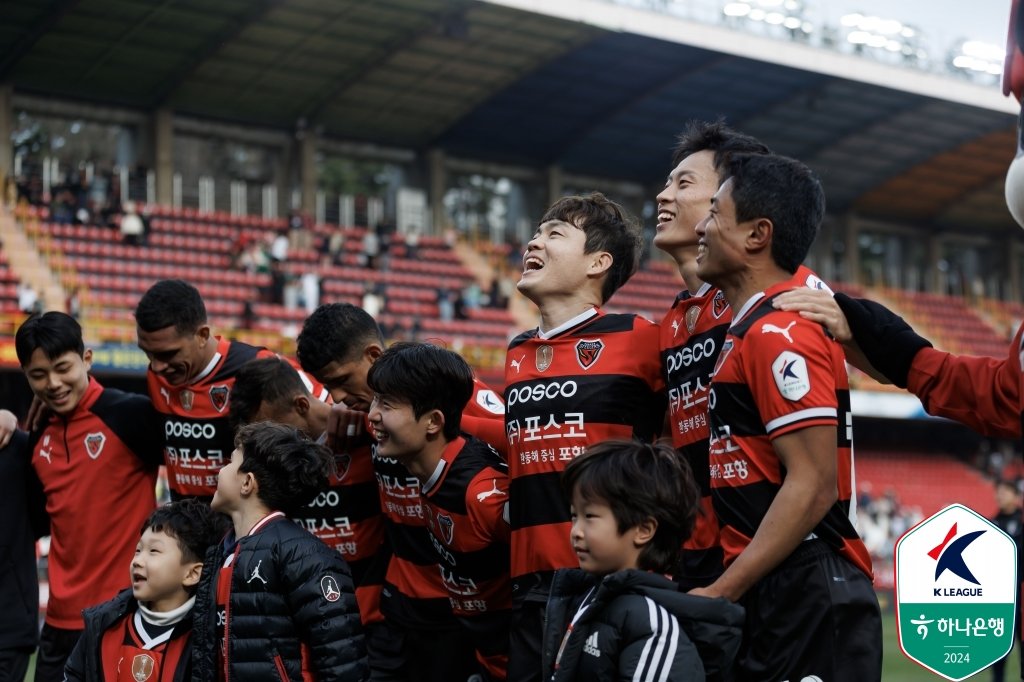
[{"x": 567, "y": 325}]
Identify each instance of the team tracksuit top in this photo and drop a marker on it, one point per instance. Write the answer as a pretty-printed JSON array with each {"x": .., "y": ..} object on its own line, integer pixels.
[{"x": 98, "y": 469}]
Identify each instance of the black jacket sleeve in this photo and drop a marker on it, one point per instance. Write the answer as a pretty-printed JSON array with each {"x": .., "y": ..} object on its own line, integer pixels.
[
  {"x": 321, "y": 597},
  {"x": 135, "y": 421}
]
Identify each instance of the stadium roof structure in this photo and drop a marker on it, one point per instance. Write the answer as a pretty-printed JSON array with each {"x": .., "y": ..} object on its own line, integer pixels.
[{"x": 596, "y": 89}]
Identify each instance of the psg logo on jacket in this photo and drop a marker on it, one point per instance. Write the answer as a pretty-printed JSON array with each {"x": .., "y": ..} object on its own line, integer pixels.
[
  {"x": 446, "y": 526},
  {"x": 588, "y": 351},
  {"x": 94, "y": 443}
]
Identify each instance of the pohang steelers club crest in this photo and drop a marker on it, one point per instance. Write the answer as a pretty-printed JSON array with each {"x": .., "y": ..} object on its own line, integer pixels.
[{"x": 956, "y": 584}]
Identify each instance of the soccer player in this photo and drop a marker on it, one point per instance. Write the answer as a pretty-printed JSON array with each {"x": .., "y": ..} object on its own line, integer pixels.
[
  {"x": 97, "y": 460},
  {"x": 338, "y": 344},
  {"x": 274, "y": 602},
  {"x": 144, "y": 632},
  {"x": 189, "y": 380},
  {"x": 346, "y": 516},
  {"x": 694, "y": 328},
  {"x": 580, "y": 378},
  {"x": 781, "y": 434},
  {"x": 419, "y": 392},
  {"x": 618, "y": 617}
]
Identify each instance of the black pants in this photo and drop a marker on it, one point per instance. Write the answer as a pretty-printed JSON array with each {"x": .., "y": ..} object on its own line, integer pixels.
[
  {"x": 524, "y": 650},
  {"x": 815, "y": 614},
  {"x": 14, "y": 663},
  {"x": 407, "y": 655},
  {"x": 55, "y": 645}
]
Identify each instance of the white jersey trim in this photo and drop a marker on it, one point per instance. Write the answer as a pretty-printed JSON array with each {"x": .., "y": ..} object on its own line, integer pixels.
[{"x": 810, "y": 413}]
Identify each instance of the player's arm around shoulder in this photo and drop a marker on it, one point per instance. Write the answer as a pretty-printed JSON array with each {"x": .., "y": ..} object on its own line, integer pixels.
[
  {"x": 136, "y": 422},
  {"x": 321, "y": 598}
]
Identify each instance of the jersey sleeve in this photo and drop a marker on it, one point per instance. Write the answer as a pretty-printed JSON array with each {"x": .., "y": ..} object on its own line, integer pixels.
[
  {"x": 484, "y": 417},
  {"x": 983, "y": 393},
  {"x": 486, "y": 499},
  {"x": 791, "y": 374}
]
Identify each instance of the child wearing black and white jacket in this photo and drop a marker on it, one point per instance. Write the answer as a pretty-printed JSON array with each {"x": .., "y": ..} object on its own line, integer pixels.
[
  {"x": 619, "y": 616},
  {"x": 275, "y": 603}
]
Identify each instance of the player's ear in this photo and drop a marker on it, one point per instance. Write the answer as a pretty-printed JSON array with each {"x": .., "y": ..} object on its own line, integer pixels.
[
  {"x": 372, "y": 352},
  {"x": 435, "y": 422},
  {"x": 600, "y": 262},
  {"x": 204, "y": 334},
  {"x": 644, "y": 531},
  {"x": 301, "y": 405},
  {"x": 760, "y": 233}
]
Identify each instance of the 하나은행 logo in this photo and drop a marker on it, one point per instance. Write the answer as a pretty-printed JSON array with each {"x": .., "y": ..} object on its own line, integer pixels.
[{"x": 956, "y": 586}]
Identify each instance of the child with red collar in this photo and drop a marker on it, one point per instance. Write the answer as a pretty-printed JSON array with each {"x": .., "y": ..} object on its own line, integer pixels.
[
  {"x": 275, "y": 603},
  {"x": 144, "y": 632}
]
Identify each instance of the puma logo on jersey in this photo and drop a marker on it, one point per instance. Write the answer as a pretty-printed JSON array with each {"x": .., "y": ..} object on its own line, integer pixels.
[
  {"x": 772, "y": 329},
  {"x": 675, "y": 328},
  {"x": 256, "y": 574},
  {"x": 516, "y": 363},
  {"x": 591, "y": 646},
  {"x": 489, "y": 493}
]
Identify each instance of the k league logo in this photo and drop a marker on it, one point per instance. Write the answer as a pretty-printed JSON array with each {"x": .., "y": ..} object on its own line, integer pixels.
[{"x": 956, "y": 585}]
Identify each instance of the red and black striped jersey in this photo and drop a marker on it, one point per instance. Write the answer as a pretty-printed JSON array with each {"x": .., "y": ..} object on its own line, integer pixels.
[
  {"x": 595, "y": 378},
  {"x": 98, "y": 470},
  {"x": 414, "y": 594},
  {"x": 465, "y": 501},
  {"x": 197, "y": 437},
  {"x": 347, "y": 517},
  {"x": 777, "y": 373},
  {"x": 692, "y": 334}
]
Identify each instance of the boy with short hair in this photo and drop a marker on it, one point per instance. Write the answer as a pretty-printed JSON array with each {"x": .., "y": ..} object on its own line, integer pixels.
[
  {"x": 97, "y": 458},
  {"x": 581, "y": 377},
  {"x": 419, "y": 393},
  {"x": 275, "y": 603},
  {"x": 146, "y": 629},
  {"x": 619, "y": 616}
]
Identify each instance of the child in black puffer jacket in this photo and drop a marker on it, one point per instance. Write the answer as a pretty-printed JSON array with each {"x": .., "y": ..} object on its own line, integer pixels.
[
  {"x": 275, "y": 603},
  {"x": 619, "y": 617}
]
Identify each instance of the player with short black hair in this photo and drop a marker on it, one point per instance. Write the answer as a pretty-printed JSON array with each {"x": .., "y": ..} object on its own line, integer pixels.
[{"x": 780, "y": 445}]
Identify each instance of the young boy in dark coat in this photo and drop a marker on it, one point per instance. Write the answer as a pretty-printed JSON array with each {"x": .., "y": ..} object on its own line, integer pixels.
[
  {"x": 275, "y": 603},
  {"x": 144, "y": 632},
  {"x": 619, "y": 616}
]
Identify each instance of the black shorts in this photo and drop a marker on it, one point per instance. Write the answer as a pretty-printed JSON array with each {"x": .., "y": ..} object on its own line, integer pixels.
[{"x": 815, "y": 614}]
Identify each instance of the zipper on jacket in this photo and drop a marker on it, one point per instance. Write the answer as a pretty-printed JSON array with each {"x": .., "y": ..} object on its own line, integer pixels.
[{"x": 67, "y": 450}]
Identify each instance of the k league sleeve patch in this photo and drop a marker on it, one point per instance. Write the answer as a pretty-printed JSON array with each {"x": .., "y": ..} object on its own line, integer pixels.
[
  {"x": 489, "y": 400},
  {"x": 791, "y": 376}
]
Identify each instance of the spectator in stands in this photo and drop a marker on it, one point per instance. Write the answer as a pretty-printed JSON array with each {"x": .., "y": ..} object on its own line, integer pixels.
[
  {"x": 132, "y": 228},
  {"x": 336, "y": 246},
  {"x": 311, "y": 290},
  {"x": 762, "y": 222},
  {"x": 274, "y": 293},
  {"x": 279, "y": 247},
  {"x": 28, "y": 298},
  {"x": 97, "y": 459},
  {"x": 73, "y": 303},
  {"x": 445, "y": 304},
  {"x": 412, "y": 243},
  {"x": 373, "y": 299},
  {"x": 585, "y": 248},
  {"x": 371, "y": 248},
  {"x": 254, "y": 258}
]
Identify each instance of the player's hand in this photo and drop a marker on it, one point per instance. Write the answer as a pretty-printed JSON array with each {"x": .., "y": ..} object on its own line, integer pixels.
[
  {"x": 38, "y": 413},
  {"x": 8, "y": 425},
  {"x": 818, "y": 306},
  {"x": 711, "y": 592},
  {"x": 345, "y": 428}
]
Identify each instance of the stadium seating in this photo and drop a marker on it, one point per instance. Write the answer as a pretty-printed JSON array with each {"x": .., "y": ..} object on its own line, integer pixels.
[
  {"x": 198, "y": 247},
  {"x": 928, "y": 481}
]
